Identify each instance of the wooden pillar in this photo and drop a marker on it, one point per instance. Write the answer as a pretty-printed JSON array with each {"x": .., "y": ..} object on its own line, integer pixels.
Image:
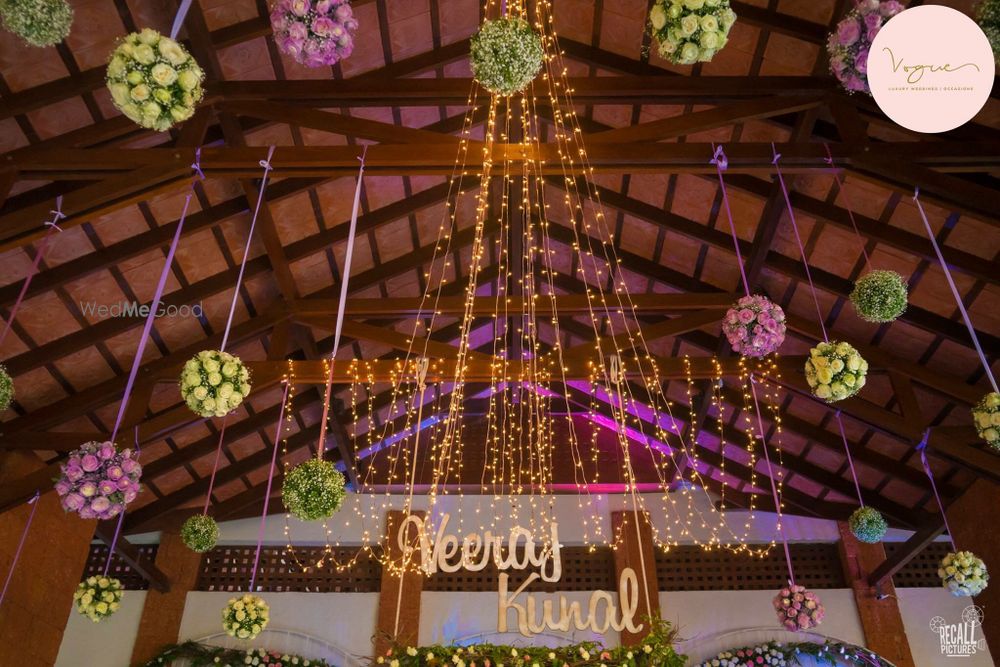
[
  {"x": 399, "y": 599},
  {"x": 40, "y": 597},
  {"x": 161, "y": 615},
  {"x": 880, "y": 619},
  {"x": 972, "y": 522},
  {"x": 635, "y": 550}
]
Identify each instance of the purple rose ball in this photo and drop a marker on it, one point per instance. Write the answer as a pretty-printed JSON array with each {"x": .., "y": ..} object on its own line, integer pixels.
[
  {"x": 90, "y": 463},
  {"x": 848, "y": 32}
]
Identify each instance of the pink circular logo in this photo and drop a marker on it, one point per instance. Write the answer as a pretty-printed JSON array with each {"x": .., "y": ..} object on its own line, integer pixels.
[{"x": 930, "y": 68}]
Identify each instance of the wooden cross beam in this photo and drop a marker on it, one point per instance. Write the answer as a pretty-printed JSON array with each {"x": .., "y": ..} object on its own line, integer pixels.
[{"x": 132, "y": 557}]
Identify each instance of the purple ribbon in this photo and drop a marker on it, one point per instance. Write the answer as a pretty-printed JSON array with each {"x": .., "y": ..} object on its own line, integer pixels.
[
  {"x": 955, "y": 293},
  {"x": 215, "y": 466},
  {"x": 721, "y": 163},
  {"x": 20, "y": 545},
  {"x": 847, "y": 205},
  {"x": 43, "y": 247},
  {"x": 922, "y": 448},
  {"x": 850, "y": 459},
  {"x": 770, "y": 478},
  {"x": 267, "y": 494},
  {"x": 114, "y": 542},
  {"x": 266, "y": 163},
  {"x": 179, "y": 18}
]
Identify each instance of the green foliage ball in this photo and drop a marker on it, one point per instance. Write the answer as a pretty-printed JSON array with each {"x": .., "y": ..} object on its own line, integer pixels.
[
  {"x": 200, "y": 533},
  {"x": 38, "y": 22},
  {"x": 314, "y": 490},
  {"x": 506, "y": 55},
  {"x": 6, "y": 389},
  {"x": 868, "y": 525},
  {"x": 880, "y": 296}
]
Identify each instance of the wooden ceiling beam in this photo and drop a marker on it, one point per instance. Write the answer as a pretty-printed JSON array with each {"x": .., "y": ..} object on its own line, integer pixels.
[
  {"x": 909, "y": 550},
  {"x": 131, "y": 556}
]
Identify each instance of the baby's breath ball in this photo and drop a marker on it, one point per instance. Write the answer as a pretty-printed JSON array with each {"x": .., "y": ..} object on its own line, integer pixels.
[
  {"x": 868, "y": 525},
  {"x": 6, "y": 389},
  {"x": 98, "y": 597},
  {"x": 38, "y": 22},
  {"x": 880, "y": 296},
  {"x": 835, "y": 371},
  {"x": 214, "y": 383},
  {"x": 988, "y": 18},
  {"x": 963, "y": 574},
  {"x": 506, "y": 55},
  {"x": 313, "y": 490},
  {"x": 200, "y": 533},
  {"x": 986, "y": 416},
  {"x": 245, "y": 617}
]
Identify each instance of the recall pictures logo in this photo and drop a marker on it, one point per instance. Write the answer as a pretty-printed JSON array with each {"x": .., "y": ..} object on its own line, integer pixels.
[
  {"x": 930, "y": 68},
  {"x": 958, "y": 640}
]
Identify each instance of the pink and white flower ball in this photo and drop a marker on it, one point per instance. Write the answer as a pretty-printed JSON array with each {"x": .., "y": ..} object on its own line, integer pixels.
[
  {"x": 798, "y": 609},
  {"x": 98, "y": 481},
  {"x": 755, "y": 326},
  {"x": 316, "y": 33}
]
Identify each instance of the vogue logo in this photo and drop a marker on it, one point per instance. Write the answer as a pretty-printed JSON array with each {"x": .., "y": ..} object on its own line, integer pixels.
[
  {"x": 927, "y": 82},
  {"x": 958, "y": 640}
]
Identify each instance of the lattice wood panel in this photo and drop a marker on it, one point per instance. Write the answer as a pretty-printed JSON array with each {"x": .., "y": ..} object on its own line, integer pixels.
[
  {"x": 921, "y": 572},
  {"x": 228, "y": 569},
  {"x": 690, "y": 568},
  {"x": 131, "y": 580}
]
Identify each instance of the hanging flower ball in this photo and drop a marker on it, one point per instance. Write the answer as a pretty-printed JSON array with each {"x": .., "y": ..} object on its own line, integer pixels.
[
  {"x": 798, "y": 609},
  {"x": 214, "y": 383},
  {"x": 245, "y": 617},
  {"x": 98, "y": 481},
  {"x": 313, "y": 490},
  {"x": 848, "y": 45},
  {"x": 988, "y": 18},
  {"x": 755, "y": 326},
  {"x": 690, "y": 31},
  {"x": 38, "y": 22},
  {"x": 963, "y": 574},
  {"x": 880, "y": 296},
  {"x": 6, "y": 389},
  {"x": 154, "y": 80},
  {"x": 200, "y": 533},
  {"x": 98, "y": 597},
  {"x": 986, "y": 416},
  {"x": 868, "y": 525},
  {"x": 835, "y": 371},
  {"x": 506, "y": 55},
  {"x": 316, "y": 33}
]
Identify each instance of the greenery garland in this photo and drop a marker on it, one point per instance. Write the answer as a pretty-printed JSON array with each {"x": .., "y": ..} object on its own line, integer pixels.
[
  {"x": 98, "y": 597},
  {"x": 868, "y": 525},
  {"x": 203, "y": 655},
  {"x": 656, "y": 650},
  {"x": 313, "y": 490},
  {"x": 38, "y": 22},
  {"x": 690, "y": 31},
  {"x": 200, "y": 533},
  {"x": 986, "y": 417},
  {"x": 880, "y": 296},
  {"x": 214, "y": 383},
  {"x": 784, "y": 654},
  {"x": 835, "y": 371},
  {"x": 988, "y": 18},
  {"x": 506, "y": 55},
  {"x": 6, "y": 389}
]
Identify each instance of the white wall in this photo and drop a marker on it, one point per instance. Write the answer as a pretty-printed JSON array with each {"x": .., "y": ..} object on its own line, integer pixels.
[
  {"x": 918, "y": 606},
  {"x": 108, "y": 643}
]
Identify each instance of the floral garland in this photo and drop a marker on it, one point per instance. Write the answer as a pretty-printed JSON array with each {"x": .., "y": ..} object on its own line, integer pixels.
[
  {"x": 506, "y": 55},
  {"x": 755, "y": 326},
  {"x": 656, "y": 650},
  {"x": 154, "y": 80},
  {"x": 848, "y": 45},
  {"x": 245, "y": 617},
  {"x": 868, "y": 525},
  {"x": 782, "y": 654},
  {"x": 214, "y": 383},
  {"x": 203, "y": 655},
  {"x": 200, "y": 533},
  {"x": 314, "y": 490},
  {"x": 98, "y": 597},
  {"x": 880, "y": 296},
  {"x": 316, "y": 33},
  {"x": 963, "y": 574},
  {"x": 6, "y": 389},
  {"x": 986, "y": 417},
  {"x": 690, "y": 31},
  {"x": 98, "y": 481},
  {"x": 988, "y": 18},
  {"x": 835, "y": 371},
  {"x": 38, "y": 22},
  {"x": 798, "y": 608}
]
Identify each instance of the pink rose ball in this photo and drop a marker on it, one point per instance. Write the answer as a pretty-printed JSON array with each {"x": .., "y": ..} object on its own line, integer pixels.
[{"x": 755, "y": 327}]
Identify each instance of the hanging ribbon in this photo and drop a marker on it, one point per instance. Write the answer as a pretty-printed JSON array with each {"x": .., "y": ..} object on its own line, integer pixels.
[
  {"x": 267, "y": 494},
  {"x": 344, "y": 281},
  {"x": 721, "y": 163},
  {"x": 154, "y": 307},
  {"x": 20, "y": 545},
  {"x": 43, "y": 247},
  {"x": 922, "y": 448},
  {"x": 121, "y": 517},
  {"x": 954, "y": 291},
  {"x": 179, "y": 18},
  {"x": 850, "y": 459},
  {"x": 847, "y": 205}
]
